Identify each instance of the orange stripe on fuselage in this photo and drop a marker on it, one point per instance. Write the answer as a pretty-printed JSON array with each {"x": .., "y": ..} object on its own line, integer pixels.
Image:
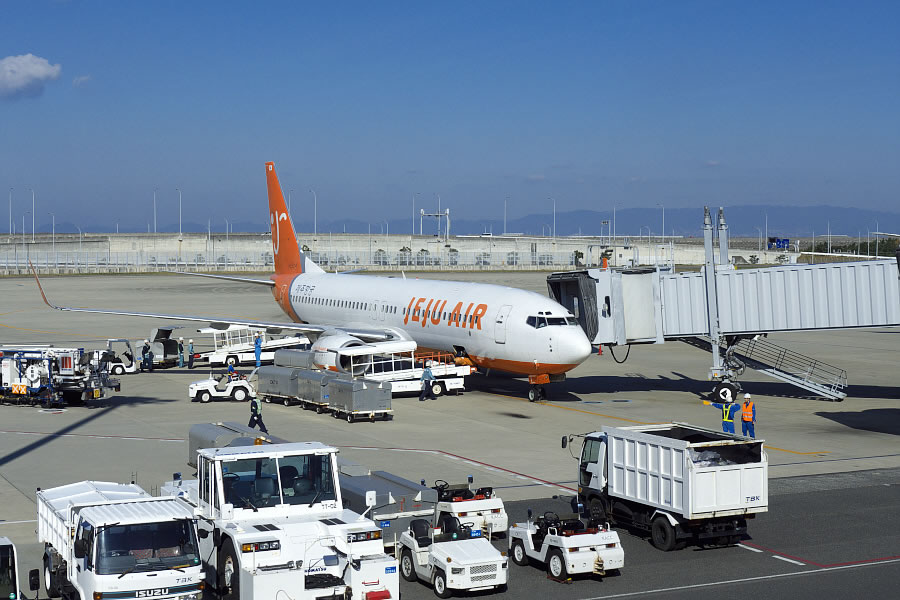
[{"x": 519, "y": 367}]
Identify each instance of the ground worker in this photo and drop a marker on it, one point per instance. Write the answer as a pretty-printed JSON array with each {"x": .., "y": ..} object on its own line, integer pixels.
[
  {"x": 257, "y": 348},
  {"x": 748, "y": 417},
  {"x": 256, "y": 415},
  {"x": 729, "y": 410},
  {"x": 190, "y": 354},
  {"x": 232, "y": 374},
  {"x": 146, "y": 357},
  {"x": 427, "y": 378},
  {"x": 180, "y": 352}
]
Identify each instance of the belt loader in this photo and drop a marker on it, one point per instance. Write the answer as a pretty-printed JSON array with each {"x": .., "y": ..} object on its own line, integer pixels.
[{"x": 272, "y": 522}]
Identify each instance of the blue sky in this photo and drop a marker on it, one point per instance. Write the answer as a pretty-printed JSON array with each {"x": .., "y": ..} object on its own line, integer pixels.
[{"x": 592, "y": 103}]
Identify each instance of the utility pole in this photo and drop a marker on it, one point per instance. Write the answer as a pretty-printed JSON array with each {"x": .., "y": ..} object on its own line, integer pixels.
[
  {"x": 10, "y": 210},
  {"x": 505, "y": 200},
  {"x": 315, "y": 213},
  {"x": 154, "y": 210},
  {"x": 32, "y": 215},
  {"x": 179, "y": 212}
]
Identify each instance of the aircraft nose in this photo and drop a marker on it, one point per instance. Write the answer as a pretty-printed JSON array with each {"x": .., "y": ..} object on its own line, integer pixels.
[{"x": 577, "y": 347}]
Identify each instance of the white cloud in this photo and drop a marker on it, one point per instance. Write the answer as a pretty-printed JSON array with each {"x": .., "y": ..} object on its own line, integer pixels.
[
  {"x": 80, "y": 80},
  {"x": 25, "y": 75}
]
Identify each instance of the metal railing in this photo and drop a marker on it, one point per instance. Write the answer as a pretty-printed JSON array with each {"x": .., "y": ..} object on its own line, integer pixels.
[{"x": 800, "y": 366}]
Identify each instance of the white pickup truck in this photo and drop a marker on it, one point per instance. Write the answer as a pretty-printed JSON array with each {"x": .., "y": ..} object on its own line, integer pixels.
[
  {"x": 113, "y": 540},
  {"x": 680, "y": 482}
]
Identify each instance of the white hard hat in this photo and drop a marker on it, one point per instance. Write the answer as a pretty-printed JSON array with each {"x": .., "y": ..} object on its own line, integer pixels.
[
  {"x": 190, "y": 341},
  {"x": 146, "y": 341},
  {"x": 746, "y": 395},
  {"x": 181, "y": 339}
]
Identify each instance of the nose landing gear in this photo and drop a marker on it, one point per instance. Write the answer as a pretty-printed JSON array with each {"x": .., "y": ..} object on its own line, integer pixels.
[{"x": 537, "y": 392}]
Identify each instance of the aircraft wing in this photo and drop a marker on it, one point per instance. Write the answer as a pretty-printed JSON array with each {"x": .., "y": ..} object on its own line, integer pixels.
[
  {"x": 266, "y": 282},
  {"x": 369, "y": 335}
]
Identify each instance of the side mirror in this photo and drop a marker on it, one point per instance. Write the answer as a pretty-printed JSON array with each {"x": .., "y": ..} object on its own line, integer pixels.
[
  {"x": 471, "y": 479},
  {"x": 580, "y": 508},
  {"x": 203, "y": 533},
  {"x": 530, "y": 514},
  {"x": 565, "y": 441},
  {"x": 370, "y": 498},
  {"x": 78, "y": 549},
  {"x": 34, "y": 580}
]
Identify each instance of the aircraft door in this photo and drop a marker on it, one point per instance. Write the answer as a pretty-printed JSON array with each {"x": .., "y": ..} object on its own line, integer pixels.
[{"x": 500, "y": 324}]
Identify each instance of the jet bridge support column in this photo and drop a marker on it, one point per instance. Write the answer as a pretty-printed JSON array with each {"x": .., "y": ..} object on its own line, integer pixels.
[
  {"x": 723, "y": 238},
  {"x": 717, "y": 371}
]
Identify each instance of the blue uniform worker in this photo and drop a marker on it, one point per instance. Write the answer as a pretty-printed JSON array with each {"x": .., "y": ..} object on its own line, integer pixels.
[
  {"x": 257, "y": 348},
  {"x": 180, "y": 352},
  {"x": 728, "y": 411},
  {"x": 427, "y": 378},
  {"x": 748, "y": 417},
  {"x": 190, "y": 354},
  {"x": 232, "y": 374},
  {"x": 256, "y": 415}
]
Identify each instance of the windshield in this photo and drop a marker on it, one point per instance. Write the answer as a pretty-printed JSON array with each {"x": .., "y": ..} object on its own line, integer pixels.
[
  {"x": 261, "y": 482},
  {"x": 146, "y": 547},
  {"x": 8, "y": 586},
  {"x": 542, "y": 321}
]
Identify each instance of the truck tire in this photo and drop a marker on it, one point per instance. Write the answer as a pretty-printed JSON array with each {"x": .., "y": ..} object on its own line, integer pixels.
[
  {"x": 240, "y": 394},
  {"x": 118, "y": 370},
  {"x": 662, "y": 534},
  {"x": 518, "y": 553},
  {"x": 437, "y": 389},
  {"x": 229, "y": 572},
  {"x": 204, "y": 397},
  {"x": 556, "y": 565},
  {"x": 50, "y": 582},
  {"x": 440, "y": 585},
  {"x": 232, "y": 360},
  {"x": 407, "y": 566},
  {"x": 597, "y": 510}
]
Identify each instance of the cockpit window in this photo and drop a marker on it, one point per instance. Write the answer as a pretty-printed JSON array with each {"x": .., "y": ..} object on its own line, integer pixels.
[{"x": 542, "y": 321}]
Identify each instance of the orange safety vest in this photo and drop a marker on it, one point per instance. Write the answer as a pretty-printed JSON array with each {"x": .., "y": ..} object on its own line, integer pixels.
[
  {"x": 726, "y": 413},
  {"x": 747, "y": 411}
]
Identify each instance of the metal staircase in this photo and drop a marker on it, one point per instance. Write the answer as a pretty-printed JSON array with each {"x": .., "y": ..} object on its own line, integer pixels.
[{"x": 785, "y": 365}]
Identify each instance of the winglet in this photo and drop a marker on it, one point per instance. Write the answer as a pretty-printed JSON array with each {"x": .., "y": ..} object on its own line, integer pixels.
[{"x": 40, "y": 287}]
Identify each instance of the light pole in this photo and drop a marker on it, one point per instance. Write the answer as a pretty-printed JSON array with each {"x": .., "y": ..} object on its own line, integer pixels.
[
  {"x": 315, "y": 213},
  {"x": 10, "y": 210},
  {"x": 759, "y": 241},
  {"x": 414, "y": 214},
  {"x": 32, "y": 215},
  {"x": 554, "y": 217},
  {"x": 659, "y": 204},
  {"x": 387, "y": 231},
  {"x": 154, "y": 210},
  {"x": 505, "y": 200},
  {"x": 79, "y": 238},
  {"x": 179, "y": 212},
  {"x": 53, "y": 216}
]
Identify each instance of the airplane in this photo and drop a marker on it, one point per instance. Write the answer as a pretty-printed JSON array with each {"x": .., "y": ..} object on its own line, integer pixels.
[{"x": 495, "y": 327}]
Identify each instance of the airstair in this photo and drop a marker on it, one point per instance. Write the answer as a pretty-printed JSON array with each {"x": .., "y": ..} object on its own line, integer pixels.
[
  {"x": 733, "y": 309},
  {"x": 799, "y": 370}
]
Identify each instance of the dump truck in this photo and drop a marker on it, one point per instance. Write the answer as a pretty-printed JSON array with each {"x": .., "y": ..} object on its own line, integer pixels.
[
  {"x": 114, "y": 540},
  {"x": 679, "y": 482}
]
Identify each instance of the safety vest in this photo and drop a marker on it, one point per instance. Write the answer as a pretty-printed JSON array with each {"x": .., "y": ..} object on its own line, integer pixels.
[
  {"x": 726, "y": 413},
  {"x": 747, "y": 411}
]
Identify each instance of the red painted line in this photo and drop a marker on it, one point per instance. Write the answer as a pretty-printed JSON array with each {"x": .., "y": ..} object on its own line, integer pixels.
[
  {"x": 829, "y": 566},
  {"x": 96, "y": 436},
  {"x": 482, "y": 463}
]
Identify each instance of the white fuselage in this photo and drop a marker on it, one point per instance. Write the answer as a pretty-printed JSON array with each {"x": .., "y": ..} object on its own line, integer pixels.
[{"x": 489, "y": 322}]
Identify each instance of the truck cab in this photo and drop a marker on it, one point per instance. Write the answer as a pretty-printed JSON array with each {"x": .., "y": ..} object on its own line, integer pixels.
[
  {"x": 109, "y": 540},
  {"x": 9, "y": 572},
  {"x": 272, "y": 519}
]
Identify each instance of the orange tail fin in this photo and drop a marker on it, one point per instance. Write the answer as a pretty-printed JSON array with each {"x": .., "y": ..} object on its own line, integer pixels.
[{"x": 288, "y": 257}]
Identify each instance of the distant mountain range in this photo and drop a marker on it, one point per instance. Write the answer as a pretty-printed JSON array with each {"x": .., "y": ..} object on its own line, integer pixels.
[{"x": 783, "y": 221}]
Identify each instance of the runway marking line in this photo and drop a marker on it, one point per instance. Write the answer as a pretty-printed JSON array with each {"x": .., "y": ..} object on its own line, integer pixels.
[
  {"x": 96, "y": 436},
  {"x": 452, "y": 456},
  {"x": 851, "y": 563},
  {"x": 749, "y": 548},
  {"x": 745, "y": 580},
  {"x": 790, "y": 560},
  {"x": 590, "y": 412},
  {"x": 17, "y": 522}
]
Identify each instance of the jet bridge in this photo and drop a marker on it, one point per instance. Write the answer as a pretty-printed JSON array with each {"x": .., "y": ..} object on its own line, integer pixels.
[{"x": 731, "y": 312}]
